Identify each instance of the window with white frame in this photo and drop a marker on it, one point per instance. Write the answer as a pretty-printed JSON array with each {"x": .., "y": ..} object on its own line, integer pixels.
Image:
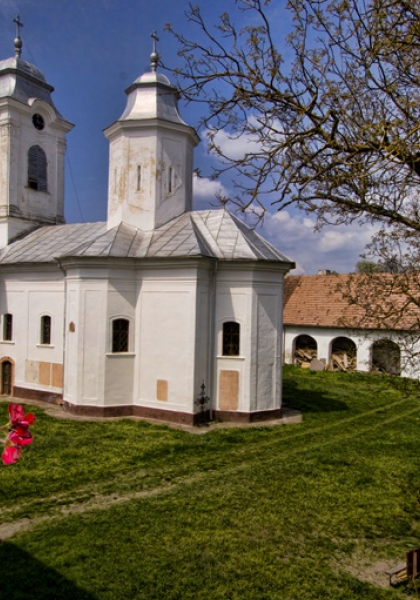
[
  {"x": 120, "y": 335},
  {"x": 37, "y": 169},
  {"x": 231, "y": 338},
  {"x": 7, "y": 327},
  {"x": 46, "y": 330}
]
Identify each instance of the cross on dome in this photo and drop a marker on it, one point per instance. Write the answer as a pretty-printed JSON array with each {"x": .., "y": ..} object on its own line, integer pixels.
[
  {"x": 18, "y": 41},
  {"x": 154, "y": 57}
]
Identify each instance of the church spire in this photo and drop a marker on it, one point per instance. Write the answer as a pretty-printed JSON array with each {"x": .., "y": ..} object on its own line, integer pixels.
[{"x": 18, "y": 41}]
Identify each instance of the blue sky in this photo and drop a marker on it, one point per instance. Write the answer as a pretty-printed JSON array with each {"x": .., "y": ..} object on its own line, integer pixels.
[{"x": 91, "y": 51}]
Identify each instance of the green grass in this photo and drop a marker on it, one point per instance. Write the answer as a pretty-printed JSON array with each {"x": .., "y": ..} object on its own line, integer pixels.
[{"x": 127, "y": 510}]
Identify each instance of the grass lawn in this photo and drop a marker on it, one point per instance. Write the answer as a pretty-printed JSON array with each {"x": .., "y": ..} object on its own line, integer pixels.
[{"x": 123, "y": 510}]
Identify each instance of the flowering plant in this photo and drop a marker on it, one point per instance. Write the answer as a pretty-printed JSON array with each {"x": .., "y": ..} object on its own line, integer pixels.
[{"x": 18, "y": 433}]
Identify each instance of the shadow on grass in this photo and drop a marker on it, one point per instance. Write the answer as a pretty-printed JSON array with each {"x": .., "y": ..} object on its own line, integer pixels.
[
  {"x": 26, "y": 578},
  {"x": 307, "y": 400}
]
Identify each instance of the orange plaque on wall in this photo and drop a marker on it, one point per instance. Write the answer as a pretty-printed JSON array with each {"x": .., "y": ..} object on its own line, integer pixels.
[
  {"x": 162, "y": 390},
  {"x": 228, "y": 390}
]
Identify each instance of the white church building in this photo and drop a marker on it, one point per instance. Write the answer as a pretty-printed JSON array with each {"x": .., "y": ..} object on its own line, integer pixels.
[{"x": 129, "y": 316}]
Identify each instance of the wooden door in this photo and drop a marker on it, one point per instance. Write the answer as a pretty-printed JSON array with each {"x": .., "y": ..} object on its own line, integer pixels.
[{"x": 6, "y": 378}]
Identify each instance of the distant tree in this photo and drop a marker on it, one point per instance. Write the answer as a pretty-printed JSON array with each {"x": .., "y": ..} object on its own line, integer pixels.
[{"x": 366, "y": 267}]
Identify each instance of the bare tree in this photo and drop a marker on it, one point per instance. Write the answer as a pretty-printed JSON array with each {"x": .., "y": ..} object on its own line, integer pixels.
[
  {"x": 333, "y": 113},
  {"x": 333, "y": 109}
]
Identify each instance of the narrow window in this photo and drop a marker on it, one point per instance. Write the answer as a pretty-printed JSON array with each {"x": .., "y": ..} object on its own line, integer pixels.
[
  {"x": 46, "y": 330},
  {"x": 120, "y": 330},
  {"x": 231, "y": 338},
  {"x": 37, "y": 169},
  {"x": 8, "y": 327},
  {"x": 138, "y": 178},
  {"x": 170, "y": 175}
]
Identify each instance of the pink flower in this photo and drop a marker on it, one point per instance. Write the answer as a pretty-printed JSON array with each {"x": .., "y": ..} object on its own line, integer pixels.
[
  {"x": 17, "y": 416},
  {"x": 11, "y": 454},
  {"x": 18, "y": 434}
]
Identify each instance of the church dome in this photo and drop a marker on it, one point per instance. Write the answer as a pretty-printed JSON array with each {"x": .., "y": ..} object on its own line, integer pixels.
[
  {"x": 153, "y": 77},
  {"x": 16, "y": 63},
  {"x": 23, "y": 82},
  {"x": 152, "y": 96}
]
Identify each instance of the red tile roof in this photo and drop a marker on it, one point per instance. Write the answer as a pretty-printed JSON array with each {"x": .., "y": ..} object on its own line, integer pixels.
[{"x": 380, "y": 301}]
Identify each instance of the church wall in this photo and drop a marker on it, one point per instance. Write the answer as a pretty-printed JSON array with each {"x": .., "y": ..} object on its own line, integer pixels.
[
  {"x": 233, "y": 303},
  {"x": 204, "y": 350},
  {"x": 25, "y": 202},
  {"x": 250, "y": 382},
  {"x": 119, "y": 367},
  {"x": 86, "y": 337},
  {"x": 28, "y": 296},
  {"x": 150, "y": 177},
  {"x": 165, "y": 344},
  {"x": 266, "y": 372},
  {"x": 175, "y": 154},
  {"x": 4, "y": 165}
]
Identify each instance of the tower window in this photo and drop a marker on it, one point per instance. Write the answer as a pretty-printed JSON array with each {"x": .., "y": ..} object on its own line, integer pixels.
[
  {"x": 139, "y": 178},
  {"x": 37, "y": 169},
  {"x": 7, "y": 327},
  {"x": 230, "y": 345},
  {"x": 170, "y": 176},
  {"x": 46, "y": 330},
  {"x": 120, "y": 332}
]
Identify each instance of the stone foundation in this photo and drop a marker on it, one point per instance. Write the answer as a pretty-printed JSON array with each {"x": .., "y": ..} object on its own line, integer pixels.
[
  {"x": 43, "y": 395},
  {"x": 248, "y": 417}
]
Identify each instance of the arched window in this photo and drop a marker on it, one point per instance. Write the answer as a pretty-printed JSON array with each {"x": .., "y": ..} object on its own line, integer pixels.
[
  {"x": 46, "y": 330},
  {"x": 37, "y": 169},
  {"x": 343, "y": 354},
  {"x": 386, "y": 357},
  {"x": 306, "y": 349},
  {"x": 230, "y": 345},
  {"x": 7, "y": 327},
  {"x": 120, "y": 335}
]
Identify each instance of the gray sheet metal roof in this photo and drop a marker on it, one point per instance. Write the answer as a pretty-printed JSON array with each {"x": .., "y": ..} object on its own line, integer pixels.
[
  {"x": 22, "y": 81},
  {"x": 212, "y": 233}
]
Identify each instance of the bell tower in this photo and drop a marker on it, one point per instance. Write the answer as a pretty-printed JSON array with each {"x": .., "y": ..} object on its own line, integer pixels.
[
  {"x": 151, "y": 155},
  {"x": 32, "y": 148}
]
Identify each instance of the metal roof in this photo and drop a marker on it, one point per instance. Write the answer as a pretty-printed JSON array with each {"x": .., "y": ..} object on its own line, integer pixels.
[
  {"x": 211, "y": 233},
  {"x": 23, "y": 82}
]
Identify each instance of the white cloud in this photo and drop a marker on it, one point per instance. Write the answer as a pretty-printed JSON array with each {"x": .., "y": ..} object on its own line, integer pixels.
[
  {"x": 205, "y": 192},
  {"x": 236, "y": 147},
  {"x": 334, "y": 247}
]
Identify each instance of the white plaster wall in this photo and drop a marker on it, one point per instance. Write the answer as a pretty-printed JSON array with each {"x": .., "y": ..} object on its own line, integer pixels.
[
  {"x": 87, "y": 292},
  {"x": 28, "y": 295},
  {"x": 253, "y": 298},
  {"x": 204, "y": 353},
  {"x": 155, "y": 150},
  {"x": 23, "y": 201},
  {"x": 234, "y": 303},
  {"x": 175, "y": 151},
  {"x": 119, "y": 367},
  {"x": 267, "y": 388},
  {"x": 166, "y": 319},
  {"x": 4, "y": 162},
  {"x": 363, "y": 340}
]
